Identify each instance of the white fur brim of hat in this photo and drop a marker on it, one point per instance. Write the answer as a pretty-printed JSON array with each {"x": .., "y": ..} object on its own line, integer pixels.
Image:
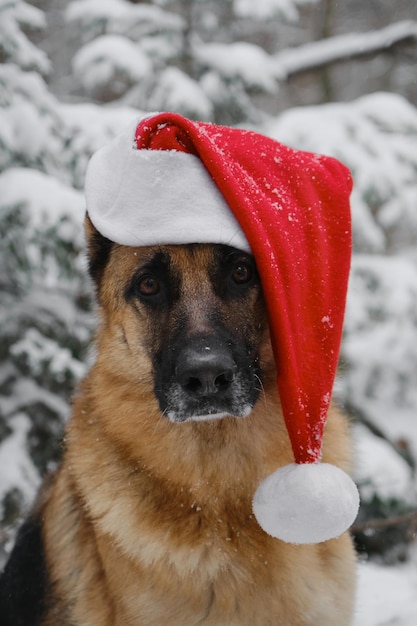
[{"x": 156, "y": 197}]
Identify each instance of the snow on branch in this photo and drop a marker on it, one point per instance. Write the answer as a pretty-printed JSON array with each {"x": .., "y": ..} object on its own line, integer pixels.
[{"x": 342, "y": 48}]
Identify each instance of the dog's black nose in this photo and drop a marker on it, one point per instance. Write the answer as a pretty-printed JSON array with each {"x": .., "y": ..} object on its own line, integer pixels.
[{"x": 205, "y": 369}]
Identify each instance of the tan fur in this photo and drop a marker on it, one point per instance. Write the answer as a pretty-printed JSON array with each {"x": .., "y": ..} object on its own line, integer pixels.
[{"x": 150, "y": 523}]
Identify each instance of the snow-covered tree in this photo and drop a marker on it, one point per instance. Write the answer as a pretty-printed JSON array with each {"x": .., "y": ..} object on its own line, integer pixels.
[
  {"x": 181, "y": 55},
  {"x": 43, "y": 313},
  {"x": 15, "y": 46},
  {"x": 217, "y": 61}
]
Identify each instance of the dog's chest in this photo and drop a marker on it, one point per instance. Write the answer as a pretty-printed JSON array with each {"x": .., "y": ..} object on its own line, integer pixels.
[
  {"x": 215, "y": 583},
  {"x": 224, "y": 583},
  {"x": 198, "y": 567}
]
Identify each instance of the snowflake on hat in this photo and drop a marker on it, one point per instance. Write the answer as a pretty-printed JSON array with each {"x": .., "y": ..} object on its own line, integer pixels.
[{"x": 291, "y": 210}]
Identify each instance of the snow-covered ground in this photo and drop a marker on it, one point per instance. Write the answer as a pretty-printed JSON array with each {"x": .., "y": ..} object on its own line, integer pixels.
[{"x": 387, "y": 596}]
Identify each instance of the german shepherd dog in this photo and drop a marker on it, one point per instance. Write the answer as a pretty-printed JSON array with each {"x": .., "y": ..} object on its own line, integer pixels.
[{"x": 148, "y": 521}]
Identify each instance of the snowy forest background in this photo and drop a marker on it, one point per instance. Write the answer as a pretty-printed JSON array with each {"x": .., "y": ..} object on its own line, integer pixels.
[{"x": 334, "y": 77}]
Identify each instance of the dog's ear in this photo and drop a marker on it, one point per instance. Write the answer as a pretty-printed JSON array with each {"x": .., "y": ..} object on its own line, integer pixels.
[{"x": 99, "y": 248}]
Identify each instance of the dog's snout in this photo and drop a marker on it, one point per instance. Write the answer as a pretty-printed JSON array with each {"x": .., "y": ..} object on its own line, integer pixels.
[{"x": 205, "y": 369}]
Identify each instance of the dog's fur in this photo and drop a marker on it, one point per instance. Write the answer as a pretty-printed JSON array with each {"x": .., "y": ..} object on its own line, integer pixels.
[{"x": 148, "y": 521}]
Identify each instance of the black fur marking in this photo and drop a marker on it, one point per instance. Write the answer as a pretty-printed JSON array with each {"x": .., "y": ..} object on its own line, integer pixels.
[
  {"x": 214, "y": 371},
  {"x": 158, "y": 267},
  {"x": 180, "y": 401},
  {"x": 24, "y": 581},
  {"x": 99, "y": 249},
  {"x": 228, "y": 261}
]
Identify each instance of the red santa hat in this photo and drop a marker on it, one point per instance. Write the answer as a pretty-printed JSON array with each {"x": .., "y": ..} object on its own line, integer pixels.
[{"x": 169, "y": 180}]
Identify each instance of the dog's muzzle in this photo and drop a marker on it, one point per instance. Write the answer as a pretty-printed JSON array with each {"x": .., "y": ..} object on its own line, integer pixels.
[{"x": 204, "y": 379}]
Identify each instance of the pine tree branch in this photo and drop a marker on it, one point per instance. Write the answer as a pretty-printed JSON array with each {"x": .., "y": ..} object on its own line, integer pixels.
[
  {"x": 341, "y": 48},
  {"x": 378, "y": 524}
]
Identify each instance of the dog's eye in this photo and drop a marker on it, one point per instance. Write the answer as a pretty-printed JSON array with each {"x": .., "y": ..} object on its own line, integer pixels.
[
  {"x": 148, "y": 285},
  {"x": 242, "y": 273}
]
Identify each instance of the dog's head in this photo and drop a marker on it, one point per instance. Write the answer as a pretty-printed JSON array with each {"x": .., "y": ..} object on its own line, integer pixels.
[{"x": 193, "y": 313}]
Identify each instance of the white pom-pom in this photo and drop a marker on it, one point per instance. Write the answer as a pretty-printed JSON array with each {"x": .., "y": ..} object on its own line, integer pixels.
[{"x": 306, "y": 503}]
